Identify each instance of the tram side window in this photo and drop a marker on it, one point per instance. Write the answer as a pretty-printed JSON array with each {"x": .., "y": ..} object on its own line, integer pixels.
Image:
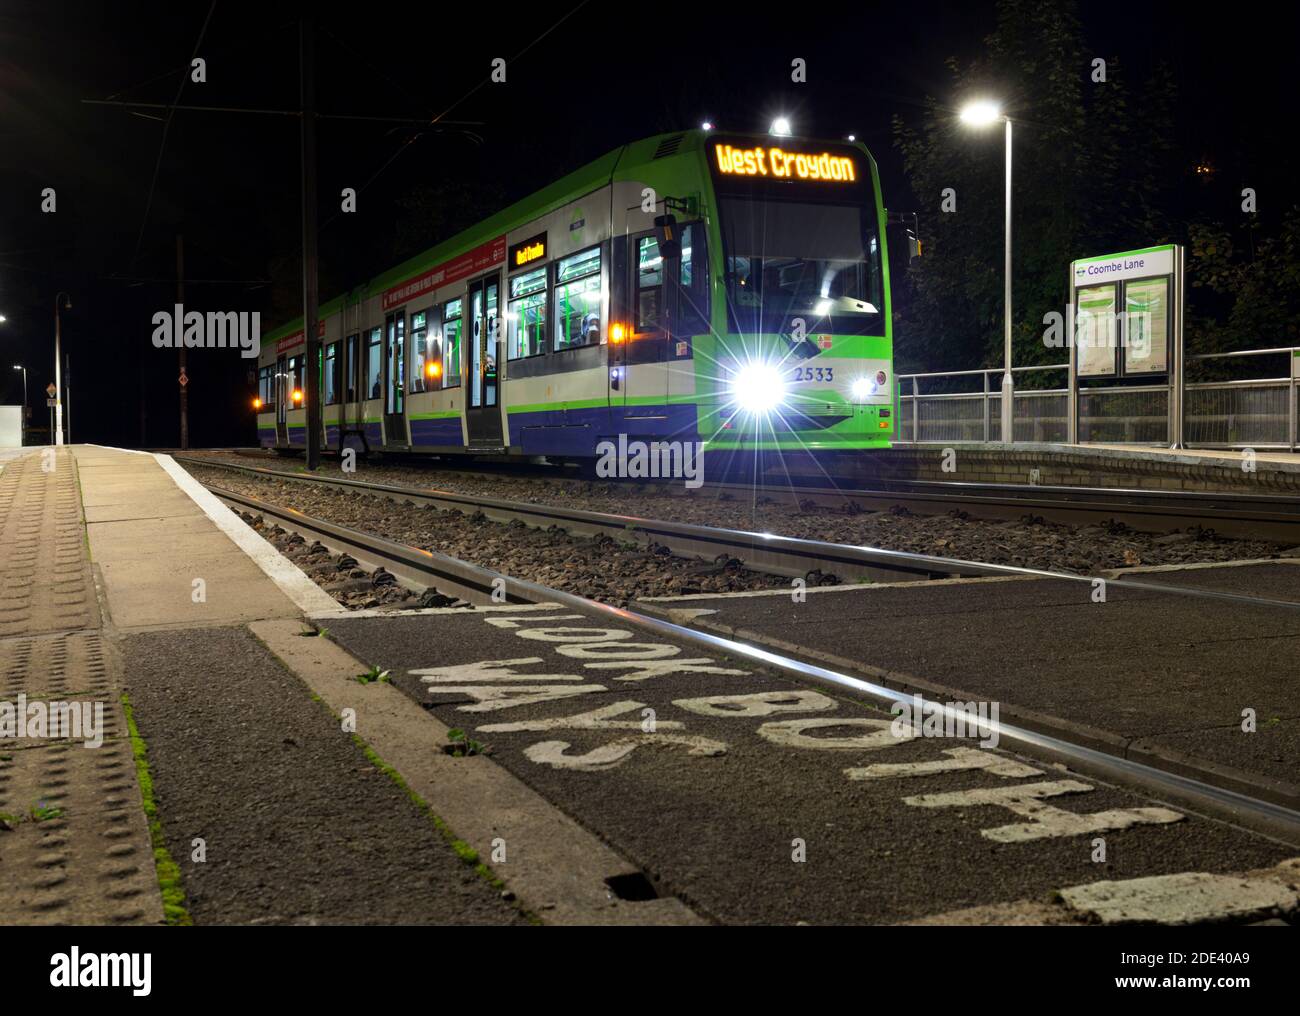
[
  {"x": 374, "y": 364},
  {"x": 526, "y": 317},
  {"x": 452, "y": 325},
  {"x": 419, "y": 350},
  {"x": 296, "y": 382},
  {"x": 350, "y": 368},
  {"x": 649, "y": 299},
  {"x": 577, "y": 300},
  {"x": 649, "y": 283},
  {"x": 330, "y": 377},
  {"x": 266, "y": 386}
]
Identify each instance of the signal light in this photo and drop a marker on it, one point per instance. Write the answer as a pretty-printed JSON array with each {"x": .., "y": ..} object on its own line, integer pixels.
[
  {"x": 297, "y": 395},
  {"x": 257, "y": 403},
  {"x": 433, "y": 369},
  {"x": 617, "y": 333}
]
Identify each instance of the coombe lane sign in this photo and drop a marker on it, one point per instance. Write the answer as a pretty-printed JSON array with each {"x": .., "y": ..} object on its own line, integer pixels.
[{"x": 1138, "y": 264}]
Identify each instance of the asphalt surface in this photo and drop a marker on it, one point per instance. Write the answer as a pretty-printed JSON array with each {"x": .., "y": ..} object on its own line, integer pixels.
[
  {"x": 299, "y": 827},
  {"x": 1165, "y": 672},
  {"x": 748, "y": 829}
]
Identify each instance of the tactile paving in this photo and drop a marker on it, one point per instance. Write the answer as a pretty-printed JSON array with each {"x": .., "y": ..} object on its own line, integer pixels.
[
  {"x": 45, "y": 577},
  {"x": 74, "y": 847}
]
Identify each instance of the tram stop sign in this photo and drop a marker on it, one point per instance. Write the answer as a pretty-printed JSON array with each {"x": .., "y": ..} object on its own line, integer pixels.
[{"x": 50, "y": 390}]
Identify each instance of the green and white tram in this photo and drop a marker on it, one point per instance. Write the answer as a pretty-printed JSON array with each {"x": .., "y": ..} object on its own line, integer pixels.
[{"x": 726, "y": 289}]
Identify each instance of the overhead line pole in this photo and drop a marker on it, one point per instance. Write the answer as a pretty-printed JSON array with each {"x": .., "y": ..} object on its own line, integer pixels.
[
  {"x": 180, "y": 346},
  {"x": 310, "y": 281}
]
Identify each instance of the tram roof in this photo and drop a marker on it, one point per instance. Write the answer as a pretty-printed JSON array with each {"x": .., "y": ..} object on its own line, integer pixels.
[{"x": 624, "y": 160}]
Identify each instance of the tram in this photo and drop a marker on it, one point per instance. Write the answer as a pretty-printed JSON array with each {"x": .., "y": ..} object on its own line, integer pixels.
[{"x": 730, "y": 290}]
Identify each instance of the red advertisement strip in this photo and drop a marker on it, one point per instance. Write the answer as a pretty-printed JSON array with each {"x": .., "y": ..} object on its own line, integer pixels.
[
  {"x": 289, "y": 341},
  {"x": 479, "y": 259}
]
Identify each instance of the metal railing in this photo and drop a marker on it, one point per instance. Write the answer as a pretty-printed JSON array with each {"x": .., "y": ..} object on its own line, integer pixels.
[
  {"x": 1256, "y": 412},
  {"x": 965, "y": 406},
  {"x": 1038, "y": 414}
]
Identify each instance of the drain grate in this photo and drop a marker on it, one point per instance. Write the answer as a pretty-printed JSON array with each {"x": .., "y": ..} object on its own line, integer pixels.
[{"x": 633, "y": 887}]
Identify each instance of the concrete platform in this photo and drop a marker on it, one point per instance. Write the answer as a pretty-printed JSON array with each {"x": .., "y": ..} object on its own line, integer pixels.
[
  {"x": 614, "y": 777},
  {"x": 74, "y": 847},
  {"x": 162, "y": 557},
  {"x": 284, "y": 790},
  {"x": 1162, "y": 678},
  {"x": 758, "y": 799},
  {"x": 1108, "y": 466}
]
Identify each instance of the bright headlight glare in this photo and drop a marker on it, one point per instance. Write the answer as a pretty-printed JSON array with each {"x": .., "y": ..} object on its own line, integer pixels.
[
  {"x": 758, "y": 388},
  {"x": 863, "y": 388}
]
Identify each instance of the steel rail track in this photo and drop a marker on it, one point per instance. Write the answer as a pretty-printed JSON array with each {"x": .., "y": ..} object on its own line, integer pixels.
[
  {"x": 767, "y": 552},
  {"x": 1258, "y": 516},
  {"x": 1269, "y": 817},
  {"x": 1274, "y": 517}
]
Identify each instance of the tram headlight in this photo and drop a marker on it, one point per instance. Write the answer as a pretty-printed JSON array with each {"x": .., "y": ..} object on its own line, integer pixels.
[
  {"x": 863, "y": 388},
  {"x": 758, "y": 388}
]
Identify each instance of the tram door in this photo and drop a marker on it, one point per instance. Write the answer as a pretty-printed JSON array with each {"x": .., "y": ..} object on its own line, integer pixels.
[
  {"x": 482, "y": 411},
  {"x": 281, "y": 401},
  {"x": 395, "y": 379}
]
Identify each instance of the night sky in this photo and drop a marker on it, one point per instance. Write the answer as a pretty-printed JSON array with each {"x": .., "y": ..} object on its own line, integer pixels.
[{"x": 581, "y": 79}]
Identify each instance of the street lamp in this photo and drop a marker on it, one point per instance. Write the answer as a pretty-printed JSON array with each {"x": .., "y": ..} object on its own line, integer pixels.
[
  {"x": 19, "y": 366},
  {"x": 65, "y": 302},
  {"x": 984, "y": 113}
]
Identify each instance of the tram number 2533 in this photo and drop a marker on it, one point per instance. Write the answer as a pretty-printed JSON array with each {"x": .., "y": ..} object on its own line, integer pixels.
[{"x": 812, "y": 374}]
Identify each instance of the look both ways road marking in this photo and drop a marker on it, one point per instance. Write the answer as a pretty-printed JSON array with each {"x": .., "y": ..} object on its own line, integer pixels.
[{"x": 614, "y": 654}]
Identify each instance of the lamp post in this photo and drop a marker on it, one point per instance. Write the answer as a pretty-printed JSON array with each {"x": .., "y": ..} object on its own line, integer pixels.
[
  {"x": 982, "y": 113},
  {"x": 61, "y": 301},
  {"x": 19, "y": 366}
]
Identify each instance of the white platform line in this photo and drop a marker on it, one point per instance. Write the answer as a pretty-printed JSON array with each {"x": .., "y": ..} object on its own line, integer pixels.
[{"x": 305, "y": 594}]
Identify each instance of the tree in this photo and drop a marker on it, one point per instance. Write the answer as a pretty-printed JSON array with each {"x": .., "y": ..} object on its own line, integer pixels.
[
  {"x": 1259, "y": 287},
  {"x": 1075, "y": 190}
]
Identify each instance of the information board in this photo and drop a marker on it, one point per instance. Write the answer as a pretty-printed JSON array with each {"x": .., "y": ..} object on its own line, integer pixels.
[
  {"x": 1146, "y": 323},
  {"x": 1095, "y": 330}
]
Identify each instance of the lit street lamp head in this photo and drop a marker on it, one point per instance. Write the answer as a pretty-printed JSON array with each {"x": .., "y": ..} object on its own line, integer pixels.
[{"x": 980, "y": 113}]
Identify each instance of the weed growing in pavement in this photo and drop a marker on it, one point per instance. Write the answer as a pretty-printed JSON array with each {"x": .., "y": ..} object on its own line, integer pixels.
[
  {"x": 42, "y": 812},
  {"x": 374, "y": 675},
  {"x": 168, "y": 871},
  {"x": 463, "y": 745},
  {"x": 315, "y": 633},
  {"x": 38, "y": 812},
  {"x": 462, "y": 849}
]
